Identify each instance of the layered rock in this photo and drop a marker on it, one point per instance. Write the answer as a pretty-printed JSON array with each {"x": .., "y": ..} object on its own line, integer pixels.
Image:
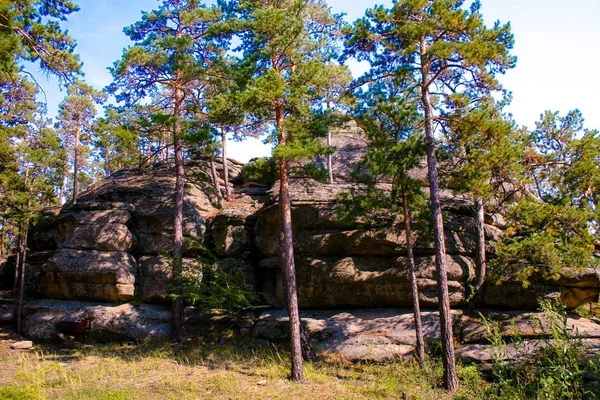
[
  {"x": 360, "y": 263},
  {"x": 89, "y": 275},
  {"x": 384, "y": 334}
]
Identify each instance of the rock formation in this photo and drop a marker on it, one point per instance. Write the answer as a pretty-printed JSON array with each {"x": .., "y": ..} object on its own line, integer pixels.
[{"x": 88, "y": 260}]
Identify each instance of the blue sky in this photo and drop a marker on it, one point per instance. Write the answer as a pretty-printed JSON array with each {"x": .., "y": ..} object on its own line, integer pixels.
[{"x": 557, "y": 44}]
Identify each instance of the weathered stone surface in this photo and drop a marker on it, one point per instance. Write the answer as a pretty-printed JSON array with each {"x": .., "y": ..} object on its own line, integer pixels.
[
  {"x": 8, "y": 310},
  {"x": 231, "y": 231},
  {"x": 108, "y": 321},
  {"x": 481, "y": 353},
  {"x": 155, "y": 273},
  {"x": 105, "y": 237},
  {"x": 44, "y": 235},
  {"x": 384, "y": 334},
  {"x": 89, "y": 275},
  {"x": 22, "y": 345},
  {"x": 528, "y": 325},
  {"x": 359, "y": 335},
  {"x": 33, "y": 267},
  {"x": 326, "y": 282}
]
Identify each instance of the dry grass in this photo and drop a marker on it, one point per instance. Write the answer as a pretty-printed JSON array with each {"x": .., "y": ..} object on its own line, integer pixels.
[{"x": 200, "y": 370}]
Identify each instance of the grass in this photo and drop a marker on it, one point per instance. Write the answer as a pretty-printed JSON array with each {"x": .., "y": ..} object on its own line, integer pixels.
[{"x": 209, "y": 370}]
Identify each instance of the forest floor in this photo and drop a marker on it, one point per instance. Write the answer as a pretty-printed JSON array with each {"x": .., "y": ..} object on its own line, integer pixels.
[{"x": 207, "y": 369}]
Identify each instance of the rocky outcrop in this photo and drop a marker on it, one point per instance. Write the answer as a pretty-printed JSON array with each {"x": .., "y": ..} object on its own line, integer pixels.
[
  {"x": 360, "y": 262},
  {"x": 93, "y": 247}
]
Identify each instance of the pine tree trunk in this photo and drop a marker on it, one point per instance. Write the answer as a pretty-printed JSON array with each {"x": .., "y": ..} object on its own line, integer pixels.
[
  {"x": 2, "y": 233},
  {"x": 287, "y": 255},
  {"x": 215, "y": 178},
  {"x": 480, "y": 257},
  {"x": 413, "y": 283},
  {"x": 76, "y": 165},
  {"x": 329, "y": 161},
  {"x": 225, "y": 164},
  {"x": 17, "y": 260},
  {"x": 23, "y": 251},
  {"x": 177, "y": 306},
  {"x": 448, "y": 357},
  {"x": 61, "y": 194}
]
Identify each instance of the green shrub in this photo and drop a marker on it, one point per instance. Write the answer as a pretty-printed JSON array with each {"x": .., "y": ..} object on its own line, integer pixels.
[
  {"x": 554, "y": 371},
  {"x": 261, "y": 170}
]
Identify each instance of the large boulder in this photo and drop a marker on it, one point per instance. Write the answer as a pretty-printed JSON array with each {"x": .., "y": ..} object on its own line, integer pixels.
[
  {"x": 47, "y": 319},
  {"x": 89, "y": 275}
]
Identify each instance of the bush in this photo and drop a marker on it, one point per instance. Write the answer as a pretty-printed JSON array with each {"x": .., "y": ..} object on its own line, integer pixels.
[
  {"x": 261, "y": 170},
  {"x": 554, "y": 371}
]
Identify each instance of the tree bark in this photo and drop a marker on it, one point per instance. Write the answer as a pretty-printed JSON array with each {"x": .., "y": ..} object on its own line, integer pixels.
[
  {"x": 215, "y": 178},
  {"x": 61, "y": 194},
  {"x": 75, "y": 164},
  {"x": 177, "y": 305},
  {"x": 23, "y": 251},
  {"x": 2, "y": 233},
  {"x": 17, "y": 260},
  {"x": 329, "y": 161},
  {"x": 225, "y": 164},
  {"x": 480, "y": 256},
  {"x": 288, "y": 268},
  {"x": 448, "y": 357},
  {"x": 413, "y": 283}
]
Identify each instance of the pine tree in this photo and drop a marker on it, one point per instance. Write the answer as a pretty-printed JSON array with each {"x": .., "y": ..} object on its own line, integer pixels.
[
  {"x": 434, "y": 47},
  {"x": 484, "y": 152},
  {"x": 119, "y": 141},
  {"x": 287, "y": 49},
  {"x": 395, "y": 148},
  {"x": 76, "y": 115},
  {"x": 173, "y": 49},
  {"x": 30, "y": 32},
  {"x": 557, "y": 231}
]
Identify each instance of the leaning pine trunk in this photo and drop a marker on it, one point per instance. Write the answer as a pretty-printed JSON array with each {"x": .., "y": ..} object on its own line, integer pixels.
[
  {"x": 21, "y": 266},
  {"x": 448, "y": 357},
  {"x": 225, "y": 165},
  {"x": 480, "y": 256},
  {"x": 215, "y": 178},
  {"x": 413, "y": 283}
]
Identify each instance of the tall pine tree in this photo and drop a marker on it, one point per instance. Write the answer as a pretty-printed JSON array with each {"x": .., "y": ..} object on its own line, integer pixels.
[
  {"x": 287, "y": 50},
  {"x": 173, "y": 50},
  {"x": 434, "y": 47}
]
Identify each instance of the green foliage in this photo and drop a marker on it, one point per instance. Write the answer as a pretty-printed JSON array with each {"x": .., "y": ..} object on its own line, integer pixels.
[
  {"x": 211, "y": 283},
  {"x": 217, "y": 286},
  {"x": 30, "y": 31},
  {"x": 482, "y": 149},
  {"x": 312, "y": 171},
  {"x": 555, "y": 231},
  {"x": 261, "y": 170},
  {"x": 287, "y": 71},
  {"x": 119, "y": 139},
  {"x": 20, "y": 393},
  {"x": 554, "y": 371}
]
